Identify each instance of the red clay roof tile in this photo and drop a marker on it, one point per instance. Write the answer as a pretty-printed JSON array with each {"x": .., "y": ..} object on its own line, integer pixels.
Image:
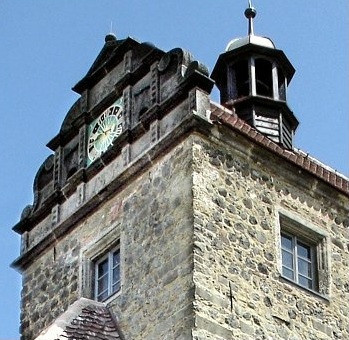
[
  {"x": 222, "y": 115},
  {"x": 84, "y": 320}
]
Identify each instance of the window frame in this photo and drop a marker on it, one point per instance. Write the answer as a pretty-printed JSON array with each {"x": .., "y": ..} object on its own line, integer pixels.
[
  {"x": 109, "y": 257},
  {"x": 314, "y": 237},
  {"x": 264, "y": 77},
  {"x": 94, "y": 251},
  {"x": 295, "y": 242}
]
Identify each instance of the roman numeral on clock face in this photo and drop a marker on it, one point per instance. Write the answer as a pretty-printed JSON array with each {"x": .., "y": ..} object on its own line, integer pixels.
[{"x": 104, "y": 130}]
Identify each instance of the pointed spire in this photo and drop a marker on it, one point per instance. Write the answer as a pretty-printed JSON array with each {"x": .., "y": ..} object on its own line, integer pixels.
[{"x": 250, "y": 14}]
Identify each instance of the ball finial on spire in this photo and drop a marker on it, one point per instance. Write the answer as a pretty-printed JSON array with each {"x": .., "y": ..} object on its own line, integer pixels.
[
  {"x": 110, "y": 36},
  {"x": 250, "y": 14}
]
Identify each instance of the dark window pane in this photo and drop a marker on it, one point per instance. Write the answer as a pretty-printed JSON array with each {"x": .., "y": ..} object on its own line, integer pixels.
[
  {"x": 102, "y": 284},
  {"x": 282, "y": 85},
  {"x": 102, "y": 296},
  {"x": 305, "y": 282},
  {"x": 286, "y": 242},
  {"x": 240, "y": 79},
  {"x": 303, "y": 250},
  {"x": 116, "y": 258},
  {"x": 264, "y": 80},
  {"x": 102, "y": 268},
  {"x": 287, "y": 273},
  {"x": 116, "y": 286},
  {"x": 304, "y": 267},
  {"x": 116, "y": 274},
  {"x": 287, "y": 259}
]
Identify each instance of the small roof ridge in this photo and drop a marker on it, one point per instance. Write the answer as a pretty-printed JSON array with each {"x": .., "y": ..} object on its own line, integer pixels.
[{"x": 318, "y": 162}]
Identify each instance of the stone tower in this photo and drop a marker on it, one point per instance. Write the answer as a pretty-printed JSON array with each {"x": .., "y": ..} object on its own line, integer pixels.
[{"x": 163, "y": 215}]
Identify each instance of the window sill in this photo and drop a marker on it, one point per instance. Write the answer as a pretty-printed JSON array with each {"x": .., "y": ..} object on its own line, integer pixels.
[{"x": 307, "y": 290}]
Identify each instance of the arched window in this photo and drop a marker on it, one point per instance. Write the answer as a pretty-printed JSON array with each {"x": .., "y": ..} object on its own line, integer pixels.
[
  {"x": 264, "y": 77},
  {"x": 281, "y": 84},
  {"x": 240, "y": 81}
]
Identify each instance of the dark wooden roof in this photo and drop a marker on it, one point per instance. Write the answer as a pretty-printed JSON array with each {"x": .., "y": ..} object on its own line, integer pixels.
[{"x": 225, "y": 117}]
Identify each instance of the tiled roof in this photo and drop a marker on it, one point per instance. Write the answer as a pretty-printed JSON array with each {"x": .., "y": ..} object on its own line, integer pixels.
[
  {"x": 91, "y": 324},
  {"x": 225, "y": 117},
  {"x": 84, "y": 320}
]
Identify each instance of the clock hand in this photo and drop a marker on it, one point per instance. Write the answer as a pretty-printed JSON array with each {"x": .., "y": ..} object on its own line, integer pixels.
[
  {"x": 100, "y": 135},
  {"x": 100, "y": 128}
]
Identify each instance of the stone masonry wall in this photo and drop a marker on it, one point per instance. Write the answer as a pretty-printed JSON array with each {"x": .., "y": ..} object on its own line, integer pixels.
[
  {"x": 220, "y": 280},
  {"x": 153, "y": 218},
  {"x": 239, "y": 191}
]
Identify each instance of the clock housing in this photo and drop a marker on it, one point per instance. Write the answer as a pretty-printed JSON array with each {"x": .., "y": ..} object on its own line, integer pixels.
[{"x": 104, "y": 130}]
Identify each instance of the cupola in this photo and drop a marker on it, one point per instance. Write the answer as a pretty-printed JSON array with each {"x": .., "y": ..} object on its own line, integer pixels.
[{"x": 252, "y": 76}]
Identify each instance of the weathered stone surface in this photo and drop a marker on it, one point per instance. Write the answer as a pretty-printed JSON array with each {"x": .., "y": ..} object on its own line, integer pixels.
[
  {"x": 264, "y": 307},
  {"x": 154, "y": 218}
]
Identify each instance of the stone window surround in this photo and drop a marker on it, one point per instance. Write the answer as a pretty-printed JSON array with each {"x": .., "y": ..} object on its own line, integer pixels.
[
  {"x": 291, "y": 223},
  {"x": 95, "y": 250}
]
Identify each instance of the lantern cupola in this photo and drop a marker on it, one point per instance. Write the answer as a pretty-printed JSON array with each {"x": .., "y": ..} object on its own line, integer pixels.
[{"x": 252, "y": 76}]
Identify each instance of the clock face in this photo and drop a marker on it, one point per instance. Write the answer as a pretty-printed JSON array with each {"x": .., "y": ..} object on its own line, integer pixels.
[{"x": 104, "y": 130}]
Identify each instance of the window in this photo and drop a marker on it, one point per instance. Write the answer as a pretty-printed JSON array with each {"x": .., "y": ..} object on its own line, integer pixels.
[
  {"x": 304, "y": 254},
  {"x": 299, "y": 261},
  {"x": 107, "y": 275},
  {"x": 242, "y": 82},
  {"x": 100, "y": 267},
  {"x": 264, "y": 77},
  {"x": 281, "y": 84}
]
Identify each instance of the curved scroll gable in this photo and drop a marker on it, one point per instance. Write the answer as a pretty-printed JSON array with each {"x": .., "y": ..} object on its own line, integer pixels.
[
  {"x": 184, "y": 57},
  {"x": 26, "y": 212},
  {"x": 43, "y": 182},
  {"x": 172, "y": 67},
  {"x": 174, "y": 60},
  {"x": 196, "y": 66},
  {"x": 72, "y": 115},
  {"x": 148, "y": 45}
]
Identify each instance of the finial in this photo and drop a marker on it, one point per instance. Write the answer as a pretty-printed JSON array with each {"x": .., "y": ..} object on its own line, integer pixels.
[
  {"x": 250, "y": 14},
  {"x": 110, "y": 36}
]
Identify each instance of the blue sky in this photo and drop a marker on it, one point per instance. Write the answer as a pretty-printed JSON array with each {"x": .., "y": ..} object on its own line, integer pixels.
[{"x": 48, "y": 46}]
